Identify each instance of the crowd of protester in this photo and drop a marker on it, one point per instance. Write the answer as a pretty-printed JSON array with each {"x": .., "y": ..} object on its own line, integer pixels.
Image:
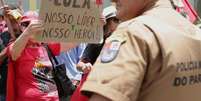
[
  {"x": 30, "y": 73},
  {"x": 25, "y": 61}
]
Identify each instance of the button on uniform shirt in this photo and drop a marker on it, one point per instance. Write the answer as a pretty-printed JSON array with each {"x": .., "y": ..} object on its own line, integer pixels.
[{"x": 154, "y": 57}]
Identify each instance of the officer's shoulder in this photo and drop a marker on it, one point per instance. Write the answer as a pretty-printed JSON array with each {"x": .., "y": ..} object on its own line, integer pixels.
[{"x": 136, "y": 28}]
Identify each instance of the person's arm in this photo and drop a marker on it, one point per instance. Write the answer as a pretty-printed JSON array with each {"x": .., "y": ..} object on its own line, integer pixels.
[
  {"x": 18, "y": 46},
  {"x": 84, "y": 67},
  {"x": 3, "y": 54},
  {"x": 88, "y": 58},
  {"x": 12, "y": 23}
]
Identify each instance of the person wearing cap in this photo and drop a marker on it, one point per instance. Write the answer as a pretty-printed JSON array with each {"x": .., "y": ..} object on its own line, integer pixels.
[
  {"x": 27, "y": 18},
  {"x": 30, "y": 70},
  {"x": 92, "y": 51},
  {"x": 153, "y": 55}
]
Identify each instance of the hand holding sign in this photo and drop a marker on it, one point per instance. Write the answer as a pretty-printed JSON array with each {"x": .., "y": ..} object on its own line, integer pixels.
[{"x": 35, "y": 27}]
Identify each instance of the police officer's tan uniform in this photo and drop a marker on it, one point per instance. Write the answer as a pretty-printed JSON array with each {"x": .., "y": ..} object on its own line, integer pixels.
[{"x": 154, "y": 57}]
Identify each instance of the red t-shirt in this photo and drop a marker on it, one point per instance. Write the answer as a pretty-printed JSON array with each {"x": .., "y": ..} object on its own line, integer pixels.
[
  {"x": 77, "y": 95},
  {"x": 33, "y": 75}
]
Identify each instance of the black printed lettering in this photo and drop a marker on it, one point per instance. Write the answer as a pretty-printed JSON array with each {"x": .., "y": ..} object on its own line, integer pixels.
[
  {"x": 177, "y": 81},
  {"x": 84, "y": 33},
  {"x": 85, "y": 20},
  {"x": 188, "y": 66},
  {"x": 86, "y": 3},
  {"x": 75, "y": 5},
  {"x": 57, "y": 3},
  {"x": 58, "y": 33},
  {"x": 67, "y": 3},
  {"x": 180, "y": 81},
  {"x": 58, "y": 17}
]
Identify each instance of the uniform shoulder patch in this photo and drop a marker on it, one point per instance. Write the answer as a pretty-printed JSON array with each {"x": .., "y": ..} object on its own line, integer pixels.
[
  {"x": 110, "y": 51},
  {"x": 111, "y": 48}
]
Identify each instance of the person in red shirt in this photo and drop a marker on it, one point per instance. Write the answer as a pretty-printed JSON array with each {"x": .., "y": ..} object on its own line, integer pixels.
[{"x": 32, "y": 69}]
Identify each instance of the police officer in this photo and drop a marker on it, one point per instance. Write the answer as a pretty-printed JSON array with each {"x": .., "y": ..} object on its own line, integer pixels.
[{"x": 154, "y": 55}]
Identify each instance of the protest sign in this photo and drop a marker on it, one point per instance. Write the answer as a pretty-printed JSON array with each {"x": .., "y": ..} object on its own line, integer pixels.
[{"x": 71, "y": 21}]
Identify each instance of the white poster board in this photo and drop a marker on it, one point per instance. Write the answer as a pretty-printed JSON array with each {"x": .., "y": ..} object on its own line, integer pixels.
[{"x": 71, "y": 21}]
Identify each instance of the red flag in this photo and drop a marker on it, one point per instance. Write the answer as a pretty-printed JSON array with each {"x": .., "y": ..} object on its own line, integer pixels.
[
  {"x": 99, "y": 2},
  {"x": 188, "y": 11},
  {"x": 77, "y": 95}
]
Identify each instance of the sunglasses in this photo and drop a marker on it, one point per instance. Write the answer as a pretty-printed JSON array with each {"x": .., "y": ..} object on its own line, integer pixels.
[{"x": 25, "y": 24}]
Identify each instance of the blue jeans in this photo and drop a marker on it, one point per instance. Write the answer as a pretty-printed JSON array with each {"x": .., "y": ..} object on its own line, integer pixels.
[{"x": 2, "y": 98}]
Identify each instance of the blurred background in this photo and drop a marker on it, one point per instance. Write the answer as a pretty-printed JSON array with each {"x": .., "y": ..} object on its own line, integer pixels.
[{"x": 35, "y": 4}]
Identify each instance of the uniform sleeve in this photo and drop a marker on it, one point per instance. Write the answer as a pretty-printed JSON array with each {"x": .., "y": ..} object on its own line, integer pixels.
[{"x": 121, "y": 78}]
